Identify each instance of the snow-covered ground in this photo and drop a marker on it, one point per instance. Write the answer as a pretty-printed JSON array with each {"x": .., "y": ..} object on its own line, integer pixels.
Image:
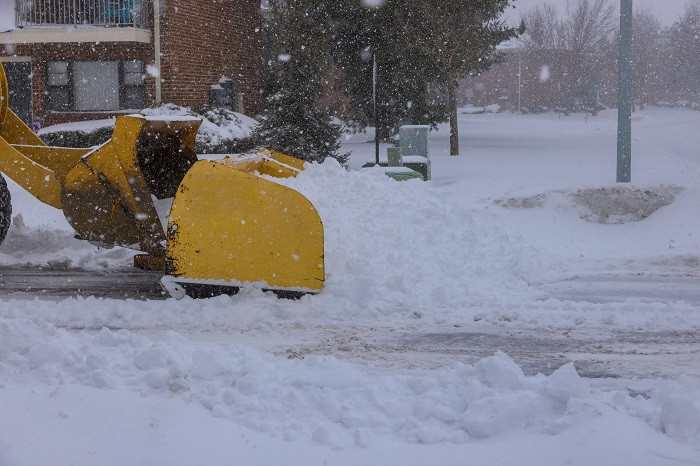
[{"x": 524, "y": 243}]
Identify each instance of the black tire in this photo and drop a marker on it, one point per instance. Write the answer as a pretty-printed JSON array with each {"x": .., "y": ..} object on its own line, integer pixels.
[{"x": 5, "y": 209}]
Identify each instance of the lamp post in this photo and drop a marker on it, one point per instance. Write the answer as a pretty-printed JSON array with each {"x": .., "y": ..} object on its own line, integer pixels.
[
  {"x": 624, "y": 102},
  {"x": 374, "y": 104}
]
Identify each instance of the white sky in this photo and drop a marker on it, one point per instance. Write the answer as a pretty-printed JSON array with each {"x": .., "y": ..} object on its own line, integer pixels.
[{"x": 666, "y": 10}]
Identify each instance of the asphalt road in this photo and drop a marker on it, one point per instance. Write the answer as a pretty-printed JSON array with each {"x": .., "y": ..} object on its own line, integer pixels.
[
  {"x": 138, "y": 284},
  {"x": 48, "y": 283}
]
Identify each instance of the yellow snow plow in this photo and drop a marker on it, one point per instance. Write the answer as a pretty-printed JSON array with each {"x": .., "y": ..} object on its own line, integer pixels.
[{"x": 212, "y": 226}]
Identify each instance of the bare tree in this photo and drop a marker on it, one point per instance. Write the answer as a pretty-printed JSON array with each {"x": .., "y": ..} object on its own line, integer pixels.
[
  {"x": 543, "y": 28},
  {"x": 588, "y": 25},
  {"x": 578, "y": 42}
]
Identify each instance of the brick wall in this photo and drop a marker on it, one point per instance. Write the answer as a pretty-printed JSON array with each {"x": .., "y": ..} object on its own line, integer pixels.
[
  {"x": 203, "y": 40},
  {"x": 41, "y": 54}
]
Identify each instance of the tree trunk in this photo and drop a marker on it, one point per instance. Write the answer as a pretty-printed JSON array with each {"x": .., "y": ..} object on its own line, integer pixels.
[{"x": 452, "y": 105}]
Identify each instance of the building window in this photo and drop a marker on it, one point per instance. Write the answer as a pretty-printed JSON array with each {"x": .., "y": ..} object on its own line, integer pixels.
[
  {"x": 93, "y": 86},
  {"x": 60, "y": 96},
  {"x": 133, "y": 90}
]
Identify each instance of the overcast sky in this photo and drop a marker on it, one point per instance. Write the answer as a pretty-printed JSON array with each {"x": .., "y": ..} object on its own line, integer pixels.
[{"x": 666, "y": 10}]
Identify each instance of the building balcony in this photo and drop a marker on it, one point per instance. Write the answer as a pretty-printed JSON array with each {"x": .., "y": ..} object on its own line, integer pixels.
[
  {"x": 46, "y": 21},
  {"x": 81, "y": 13}
]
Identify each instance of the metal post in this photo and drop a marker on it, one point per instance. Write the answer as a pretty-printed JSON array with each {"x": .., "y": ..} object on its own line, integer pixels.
[
  {"x": 374, "y": 101},
  {"x": 624, "y": 105},
  {"x": 156, "y": 49},
  {"x": 520, "y": 81}
]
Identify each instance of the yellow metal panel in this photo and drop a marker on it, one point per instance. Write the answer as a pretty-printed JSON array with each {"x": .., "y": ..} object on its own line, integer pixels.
[
  {"x": 4, "y": 95},
  {"x": 285, "y": 159},
  {"x": 59, "y": 160},
  {"x": 107, "y": 195},
  {"x": 15, "y": 131},
  {"x": 228, "y": 226},
  {"x": 266, "y": 162},
  {"x": 38, "y": 180}
]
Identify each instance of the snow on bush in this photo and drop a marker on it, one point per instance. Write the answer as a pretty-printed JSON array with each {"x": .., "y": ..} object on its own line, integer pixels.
[
  {"x": 221, "y": 131},
  {"x": 220, "y": 127}
]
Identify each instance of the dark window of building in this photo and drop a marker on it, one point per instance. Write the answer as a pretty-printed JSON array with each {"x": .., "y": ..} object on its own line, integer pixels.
[
  {"x": 60, "y": 96},
  {"x": 86, "y": 86},
  {"x": 133, "y": 89}
]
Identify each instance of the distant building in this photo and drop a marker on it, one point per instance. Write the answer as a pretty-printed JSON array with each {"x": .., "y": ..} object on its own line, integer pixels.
[
  {"x": 539, "y": 80},
  {"x": 70, "y": 60}
]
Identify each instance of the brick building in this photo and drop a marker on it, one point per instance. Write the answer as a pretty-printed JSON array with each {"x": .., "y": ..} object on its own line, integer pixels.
[
  {"x": 532, "y": 81},
  {"x": 70, "y": 60}
]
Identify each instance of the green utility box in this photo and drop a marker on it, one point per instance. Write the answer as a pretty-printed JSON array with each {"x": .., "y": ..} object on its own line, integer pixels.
[
  {"x": 403, "y": 174},
  {"x": 411, "y": 158},
  {"x": 414, "y": 140}
]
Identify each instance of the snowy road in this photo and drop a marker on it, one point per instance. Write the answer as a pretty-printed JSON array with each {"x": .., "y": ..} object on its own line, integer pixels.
[
  {"x": 48, "y": 283},
  {"x": 609, "y": 289},
  {"x": 599, "y": 353}
]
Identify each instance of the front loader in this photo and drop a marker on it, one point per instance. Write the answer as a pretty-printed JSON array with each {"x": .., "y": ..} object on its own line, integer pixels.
[{"x": 212, "y": 226}]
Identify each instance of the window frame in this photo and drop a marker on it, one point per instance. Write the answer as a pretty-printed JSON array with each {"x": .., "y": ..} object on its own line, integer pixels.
[
  {"x": 123, "y": 88},
  {"x": 67, "y": 88}
]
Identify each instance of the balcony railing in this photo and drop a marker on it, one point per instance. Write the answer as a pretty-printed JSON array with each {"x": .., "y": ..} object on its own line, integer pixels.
[{"x": 79, "y": 13}]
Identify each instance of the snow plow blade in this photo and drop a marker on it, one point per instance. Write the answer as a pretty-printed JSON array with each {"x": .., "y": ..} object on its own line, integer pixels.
[{"x": 229, "y": 228}]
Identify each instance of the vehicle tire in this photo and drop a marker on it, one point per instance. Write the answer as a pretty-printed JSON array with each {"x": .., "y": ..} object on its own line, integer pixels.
[{"x": 5, "y": 209}]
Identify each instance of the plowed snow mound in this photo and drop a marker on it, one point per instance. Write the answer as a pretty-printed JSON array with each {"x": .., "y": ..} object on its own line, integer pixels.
[
  {"x": 619, "y": 205},
  {"x": 607, "y": 205}
]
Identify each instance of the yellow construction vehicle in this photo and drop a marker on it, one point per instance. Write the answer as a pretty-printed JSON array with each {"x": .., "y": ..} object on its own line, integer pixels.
[{"x": 212, "y": 226}]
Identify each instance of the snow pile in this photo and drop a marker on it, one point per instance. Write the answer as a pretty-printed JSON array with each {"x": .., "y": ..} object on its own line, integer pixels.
[
  {"x": 621, "y": 205},
  {"x": 417, "y": 247},
  {"x": 673, "y": 409},
  {"x": 218, "y": 125},
  {"x": 471, "y": 110},
  {"x": 606, "y": 205},
  {"x": 323, "y": 399}
]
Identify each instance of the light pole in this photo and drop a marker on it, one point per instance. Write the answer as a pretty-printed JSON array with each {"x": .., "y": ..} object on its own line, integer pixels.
[
  {"x": 520, "y": 81},
  {"x": 624, "y": 100},
  {"x": 374, "y": 104}
]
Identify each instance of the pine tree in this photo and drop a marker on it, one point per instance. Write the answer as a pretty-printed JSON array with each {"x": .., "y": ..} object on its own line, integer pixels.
[
  {"x": 416, "y": 44},
  {"x": 292, "y": 121},
  {"x": 458, "y": 38},
  {"x": 359, "y": 34}
]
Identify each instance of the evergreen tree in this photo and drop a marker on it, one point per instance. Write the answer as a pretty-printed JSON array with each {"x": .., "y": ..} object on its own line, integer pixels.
[
  {"x": 415, "y": 44},
  {"x": 359, "y": 34},
  {"x": 457, "y": 38},
  {"x": 291, "y": 121}
]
